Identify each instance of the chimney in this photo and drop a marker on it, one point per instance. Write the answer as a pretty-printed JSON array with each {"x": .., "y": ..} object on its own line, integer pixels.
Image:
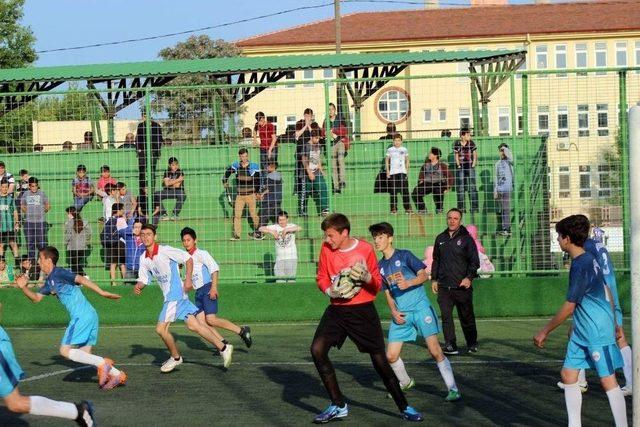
[
  {"x": 489, "y": 3},
  {"x": 431, "y": 4}
]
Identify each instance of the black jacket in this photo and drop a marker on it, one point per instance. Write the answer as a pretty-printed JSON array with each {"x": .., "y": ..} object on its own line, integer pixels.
[{"x": 454, "y": 258}]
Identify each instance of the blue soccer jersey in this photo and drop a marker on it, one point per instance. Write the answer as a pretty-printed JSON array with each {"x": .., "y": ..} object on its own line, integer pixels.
[
  {"x": 406, "y": 264},
  {"x": 601, "y": 254},
  {"x": 593, "y": 318},
  {"x": 61, "y": 282}
]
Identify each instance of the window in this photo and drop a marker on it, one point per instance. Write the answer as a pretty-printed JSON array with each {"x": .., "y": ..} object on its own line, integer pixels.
[
  {"x": 520, "y": 122},
  {"x": 585, "y": 181},
  {"x": 442, "y": 114},
  {"x": 621, "y": 54},
  {"x": 638, "y": 56},
  {"x": 504, "y": 121},
  {"x": 426, "y": 115},
  {"x": 603, "y": 119},
  {"x": 463, "y": 68},
  {"x": 465, "y": 118},
  {"x": 290, "y": 121},
  {"x": 307, "y": 75},
  {"x": 564, "y": 182},
  {"x": 563, "y": 122},
  {"x": 601, "y": 56},
  {"x": 290, "y": 76},
  {"x": 604, "y": 180},
  {"x": 561, "y": 58},
  {"x": 541, "y": 59},
  {"x": 543, "y": 120},
  {"x": 581, "y": 57},
  {"x": 583, "y": 120},
  {"x": 393, "y": 105},
  {"x": 327, "y": 74}
]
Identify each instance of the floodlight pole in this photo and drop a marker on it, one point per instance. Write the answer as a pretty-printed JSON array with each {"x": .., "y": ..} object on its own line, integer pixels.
[{"x": 634, "y": 191}]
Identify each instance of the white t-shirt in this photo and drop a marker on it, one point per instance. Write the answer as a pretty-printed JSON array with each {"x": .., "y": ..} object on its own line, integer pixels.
[
  {"x": 397, "y": 160},
  {"x": 203, "y": 267},
  {"x": 285, "y": 247}
]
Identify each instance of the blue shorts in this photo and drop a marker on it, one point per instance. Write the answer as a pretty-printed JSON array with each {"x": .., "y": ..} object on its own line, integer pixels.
[
  {"x": 604, "y": 359},
  {"x": 10, "y": 370},
  {"x": 203, "y": 302},
  {"x": 177, "y": 310},
  {"x": 423, "y": 322},
  {"x": 82, "y": 331}
]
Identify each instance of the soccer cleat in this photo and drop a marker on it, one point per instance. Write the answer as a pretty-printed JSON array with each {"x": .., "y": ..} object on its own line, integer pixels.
[
  {"x": 453, "y": 396},
  {"x": 450, "y": 350},
  {"x": 405, "y": 387},
  {"x": 227, "y": 355},
  {"x": 331, "y": 412},
  {"x": 170, "y": 364},
  {"x": 85, "y": 414},
  {"x": 626, "y": 391},
  {"x": 245, "y": 334},
  {"x": 103, "y": 371},
  {"x": 411, "y": 414},
  {"x": 473, "y": 349},
  {"x": 115, "y": 381},
  {"x": 584, "y": 386}
]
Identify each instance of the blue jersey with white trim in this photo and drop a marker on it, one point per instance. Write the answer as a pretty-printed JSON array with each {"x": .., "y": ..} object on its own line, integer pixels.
[
  {"x": 203, "y": 267},
  {"x": 62, "y": 283},
  {"x": 406, "y": 264},
  {"x": 163, "y": 266},
  {"x": 601, "y": 254},
  {"x": 593, "y": 318}
]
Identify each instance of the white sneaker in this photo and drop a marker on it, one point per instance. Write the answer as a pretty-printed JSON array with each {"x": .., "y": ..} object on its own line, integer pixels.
[
  {"x": 626, "y": 391},
  {"x": 227, "y": 355},
  {"x": 170, "y": 364},
  {"x": 584, "y": 386}
]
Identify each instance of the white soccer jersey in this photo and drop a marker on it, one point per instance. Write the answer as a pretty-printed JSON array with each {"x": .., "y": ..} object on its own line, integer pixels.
[
  {"x": 162, "y": 265},
  {"x": 203, "y": 267}
]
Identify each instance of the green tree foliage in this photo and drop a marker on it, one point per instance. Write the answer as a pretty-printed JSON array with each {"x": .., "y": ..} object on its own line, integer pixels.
[
  {"x": 197, "y": 114},
  {"x": 16, "y": 41}
]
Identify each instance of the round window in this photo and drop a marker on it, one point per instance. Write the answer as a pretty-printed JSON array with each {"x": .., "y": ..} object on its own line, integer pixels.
[{"x": 393, "y": 105}]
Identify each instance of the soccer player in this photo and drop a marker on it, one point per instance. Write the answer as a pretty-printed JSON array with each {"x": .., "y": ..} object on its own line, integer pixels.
[
  {"x": 162, "y": 262},
  {"x": 355, "y": 317},
  {"x": 82, "y": 333},
  {"x": 10, "y": 373},
  {"x": 403, "y": 275},
  {"x": 592, "y": 344},
  {"x": 205, "y": 282}
]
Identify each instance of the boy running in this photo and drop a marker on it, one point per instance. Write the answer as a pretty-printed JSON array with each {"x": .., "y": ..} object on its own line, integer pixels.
[
  {"x": 592, "y": 344},
  {"x": 351, "y": 313},
  {"x": 82, "y": 333},
  {"x": 162, "y": 262},
  {"x": 403, "y": 276},
  {"x": 205, "y": 282}
]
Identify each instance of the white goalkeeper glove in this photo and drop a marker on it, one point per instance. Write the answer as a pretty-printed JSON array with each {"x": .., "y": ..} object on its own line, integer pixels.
[
  {"x": 360, "y": 273},
  {"x": 343, "y": 286}
]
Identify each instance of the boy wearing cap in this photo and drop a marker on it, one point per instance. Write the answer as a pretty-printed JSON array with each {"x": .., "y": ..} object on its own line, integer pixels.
[
  {"x": 172, "y": 188},
  {"x": 503, "y": 186},
  {"x": 82, "y": 188}
]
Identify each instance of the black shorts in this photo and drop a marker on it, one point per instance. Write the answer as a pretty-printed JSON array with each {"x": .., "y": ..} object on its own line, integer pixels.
[
  {"x": 114, "y": 254},
  {"x": 7, "y": 236},
  {"x": 360, "y": 323}
]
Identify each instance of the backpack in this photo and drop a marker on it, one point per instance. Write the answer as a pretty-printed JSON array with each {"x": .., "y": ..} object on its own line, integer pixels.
[{"x": 110, "y": 235}]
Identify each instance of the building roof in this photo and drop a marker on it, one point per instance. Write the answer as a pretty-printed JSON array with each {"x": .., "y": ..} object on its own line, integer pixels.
[
  {"x": 236, "y": 65},
  {"x": 466, "y": 22}
]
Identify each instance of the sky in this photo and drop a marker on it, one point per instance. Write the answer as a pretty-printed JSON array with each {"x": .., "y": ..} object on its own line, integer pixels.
[{"x": 69, "y": 23}]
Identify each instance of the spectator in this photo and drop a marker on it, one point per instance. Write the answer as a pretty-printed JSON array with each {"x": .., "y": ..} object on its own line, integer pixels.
[
  {"x": 314, "y": 182},
  {"x": 455, "y": 265},
  {"x": 247, "y": 185},
  {"x": 264, "y": 135},
  {"x": 434, "y": 178},
  {"x": 466, "y": 158},
  {"x": 397, "y": 166},
  {"x": 6, "y": 273},
  {"x": 109, "y": 197},
  {"x": 302, "y": 135},
  {"x": 9, "y": 220},
  {"x": 340, "y": 145},
  {"x": 114, "y": 248},
  {"x": 67, "y": 146},
  {"x": 4, "y": 175},
  {"x": 34, "y": 205},
  {"x": 172, "y": 188},
  {"x": 23, "y": 184},
  {"x": 105, "y": 178},
  {"x": 155, "y": 141},
  {"x": 127, "y": 199},
  {"x": 77, "y": 240},
  {"x": 87, "y": 144},
  {"x": 503, "y": 186},
  {"x": 446, "y": 133},
  {"x": 129, "y": 141},
  {"x": 134, "y": 247},
  {"x": 167, "y": 142},
  {"x": 38, "y": 148},
  {"x": 82, "y": 188},
  {"x": 391, "y": 131},
  {"x": 284, "y": 234},
  {"x": 29, "y": 268},
  {"x": 271, "y": 194}
]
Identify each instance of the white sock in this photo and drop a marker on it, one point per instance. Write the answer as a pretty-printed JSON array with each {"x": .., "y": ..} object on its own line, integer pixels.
[
  {"x": 618, "y": 406},
  {"x": 447, "y": 374},
  {"x": 52, "y": 408},
  {"x": 86, "y": 358},
  {"x": 401, "y": 372},
  {"x": 627, "y": 356},
  {"x": 582, "y": 376},
  {"x": 573, "y": 400}
]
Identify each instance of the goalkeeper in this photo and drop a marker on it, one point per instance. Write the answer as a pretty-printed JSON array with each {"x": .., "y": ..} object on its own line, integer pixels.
[{"x": 348, "y": 274}]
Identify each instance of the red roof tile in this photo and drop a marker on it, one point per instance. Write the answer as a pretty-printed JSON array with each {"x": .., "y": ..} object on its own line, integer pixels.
[{"x": 448, "y": 23}]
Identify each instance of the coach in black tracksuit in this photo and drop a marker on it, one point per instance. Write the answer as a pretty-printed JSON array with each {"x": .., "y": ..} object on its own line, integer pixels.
[{"x": 455, "y": 263}]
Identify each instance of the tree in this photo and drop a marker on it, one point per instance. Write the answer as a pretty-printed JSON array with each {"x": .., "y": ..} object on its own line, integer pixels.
[
  {"x": 16, "y": 41},
  {"x": 196, "y": 114}
]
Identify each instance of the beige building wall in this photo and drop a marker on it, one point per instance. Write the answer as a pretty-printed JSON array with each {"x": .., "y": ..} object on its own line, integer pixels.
[{"x": 52, "y": 134}]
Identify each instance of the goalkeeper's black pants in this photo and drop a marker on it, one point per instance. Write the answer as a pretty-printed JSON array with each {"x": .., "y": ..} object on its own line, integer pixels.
[{"x": 362, "y": 325}]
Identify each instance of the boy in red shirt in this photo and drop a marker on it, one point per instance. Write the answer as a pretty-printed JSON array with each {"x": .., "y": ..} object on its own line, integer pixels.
[
  {"x": 265, "y": 132},
  {"x": 354, "y": 317}
]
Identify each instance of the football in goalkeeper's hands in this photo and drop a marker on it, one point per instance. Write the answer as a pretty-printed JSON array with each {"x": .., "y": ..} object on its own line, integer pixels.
[{"x": 345, "y": 287}]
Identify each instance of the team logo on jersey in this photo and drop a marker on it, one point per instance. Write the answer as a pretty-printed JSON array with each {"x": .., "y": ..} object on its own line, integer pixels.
[
  {"x": 398, "y": 263},
  {"x": 428, "y": 319},
  {"x": 595, "y": 356},
  {"x": 459, "y": 242}
]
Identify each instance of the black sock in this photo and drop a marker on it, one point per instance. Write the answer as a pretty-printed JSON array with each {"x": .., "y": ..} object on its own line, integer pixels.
[
  {"x": 176, "y": 358},
  {"x": 242, "y": 331},
  {"x": 223, "y": 348},
  {"x": 225, "y": 342}
]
